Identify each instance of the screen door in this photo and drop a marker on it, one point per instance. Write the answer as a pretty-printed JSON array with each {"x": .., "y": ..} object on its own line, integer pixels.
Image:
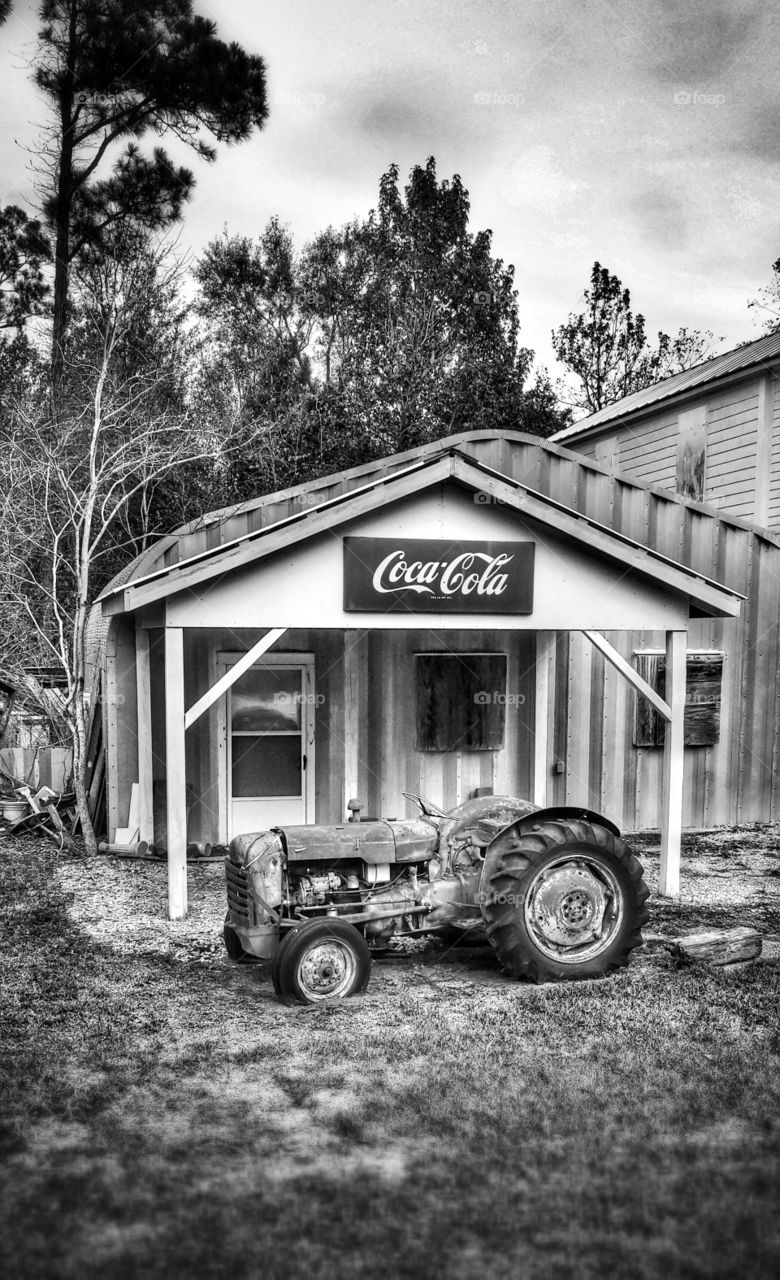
[{"x": 268, "y": 738}]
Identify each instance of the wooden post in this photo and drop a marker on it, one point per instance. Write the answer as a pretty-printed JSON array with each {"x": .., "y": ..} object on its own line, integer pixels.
[
  {"x": 145, "y": 756},
  {"x": 352, "y": 695},
  {"x": 175, "y": 771},
  {"x": 545, "y": 644},
  {"x": 671, "y": 818}
]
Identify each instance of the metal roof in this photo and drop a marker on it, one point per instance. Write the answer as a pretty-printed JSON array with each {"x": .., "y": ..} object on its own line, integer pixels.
[
  {"x": 706, "y": 596},
  {"x": 764, "y": 351}
]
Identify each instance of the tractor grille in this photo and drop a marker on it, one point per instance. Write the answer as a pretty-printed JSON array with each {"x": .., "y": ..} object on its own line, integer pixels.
[{"x": 237, "y": 891}]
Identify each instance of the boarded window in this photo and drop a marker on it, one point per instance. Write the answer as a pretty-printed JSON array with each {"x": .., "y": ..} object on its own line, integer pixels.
[
  {"x": 691, "y": 452},
  {"x": 704, "y": 678},
  {"x": 461, "y": 701}
]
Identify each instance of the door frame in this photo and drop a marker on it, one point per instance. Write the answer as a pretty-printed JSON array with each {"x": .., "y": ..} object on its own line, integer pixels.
[{"x": 224, "y": 658}]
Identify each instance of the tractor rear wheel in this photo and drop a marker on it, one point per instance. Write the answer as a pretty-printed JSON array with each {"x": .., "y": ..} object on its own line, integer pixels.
[
  {"x": 321, "y": 960},
  {"x": 565, "y": 899}
]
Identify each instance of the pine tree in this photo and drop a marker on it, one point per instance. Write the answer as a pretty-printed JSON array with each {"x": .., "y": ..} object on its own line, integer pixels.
[{"x": 115, "y": 71}]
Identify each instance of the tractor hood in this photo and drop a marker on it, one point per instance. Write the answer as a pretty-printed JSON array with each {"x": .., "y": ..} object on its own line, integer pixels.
[{"x": 405, "y": 840}]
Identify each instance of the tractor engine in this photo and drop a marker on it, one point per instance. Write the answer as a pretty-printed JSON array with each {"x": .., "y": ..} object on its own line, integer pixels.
[{"x": 377, "y": 869}]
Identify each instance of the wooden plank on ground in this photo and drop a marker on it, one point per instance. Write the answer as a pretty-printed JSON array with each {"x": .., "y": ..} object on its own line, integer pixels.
[{"x": 719, "y": 946}]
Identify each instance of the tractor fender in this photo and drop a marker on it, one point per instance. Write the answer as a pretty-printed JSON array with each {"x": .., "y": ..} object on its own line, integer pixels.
[{"x": 559, "y": 811}]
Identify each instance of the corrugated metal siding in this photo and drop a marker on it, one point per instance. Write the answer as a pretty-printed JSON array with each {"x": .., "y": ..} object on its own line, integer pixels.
[
  {"x": 735, "y": 780},
  {"x": 730, "y": 474}
]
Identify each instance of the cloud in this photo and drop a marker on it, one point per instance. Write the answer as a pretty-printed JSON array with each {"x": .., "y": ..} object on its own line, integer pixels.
[
  {"x": 757, "y": 133},
  {"x": 697, "y": 42},
  {"x": 390, "y": 118},
  {"x": 662, "y": 214},
  {"x": 535, "y": 180}
]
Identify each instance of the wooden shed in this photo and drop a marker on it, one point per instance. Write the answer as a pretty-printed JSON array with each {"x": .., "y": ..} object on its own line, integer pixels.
[{"x": 455, "y": 620}]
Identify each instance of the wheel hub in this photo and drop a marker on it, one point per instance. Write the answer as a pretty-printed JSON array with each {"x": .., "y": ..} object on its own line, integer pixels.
[
  {"x": 326, "y": 970},
  {"x": 567, "y": 906}
]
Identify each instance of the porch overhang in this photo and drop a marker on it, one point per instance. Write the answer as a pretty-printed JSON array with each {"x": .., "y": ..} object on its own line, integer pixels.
[{"x": 195, "y": 578}]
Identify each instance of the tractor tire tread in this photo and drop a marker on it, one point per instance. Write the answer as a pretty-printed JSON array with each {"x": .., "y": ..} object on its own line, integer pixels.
[{"x": 506, "y": 870}]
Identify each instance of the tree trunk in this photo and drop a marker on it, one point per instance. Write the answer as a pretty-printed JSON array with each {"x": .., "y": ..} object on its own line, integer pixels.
[
  {"x": 60, "y": 304},
  {"x": 79, "y": 735},
  {"x": 62, "y": 209}
]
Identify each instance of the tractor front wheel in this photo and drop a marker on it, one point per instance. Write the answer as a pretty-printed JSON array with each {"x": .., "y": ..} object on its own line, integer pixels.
[
  {"x": 562, "y": 900},
  {"x": 320, "y": 960},
  {"x": 233, "y": 943}
]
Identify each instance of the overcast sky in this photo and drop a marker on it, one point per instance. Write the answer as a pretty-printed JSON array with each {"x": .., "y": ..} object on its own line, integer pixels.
[{"x": 643, "y": 135}]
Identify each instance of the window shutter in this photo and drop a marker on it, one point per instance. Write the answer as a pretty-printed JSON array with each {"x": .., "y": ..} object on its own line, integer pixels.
[
  {"x": 461, "y": 701},
  {"x": 703, "y": 685}
]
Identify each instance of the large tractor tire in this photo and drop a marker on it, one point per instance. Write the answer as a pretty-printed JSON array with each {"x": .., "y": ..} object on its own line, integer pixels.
[
  {"x": 562, "y": 900},
  {"x": 320, "y": 960}
]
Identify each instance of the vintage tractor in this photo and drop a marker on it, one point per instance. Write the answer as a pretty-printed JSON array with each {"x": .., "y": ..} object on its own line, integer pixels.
[{"x": 556, "y": 892}]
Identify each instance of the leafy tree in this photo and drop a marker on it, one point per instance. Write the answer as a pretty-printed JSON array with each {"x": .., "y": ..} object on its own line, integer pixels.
[
  {"x": 420, "y": 337},
  {"x": 768, "y": 301},
  {"x": 115, "y": 71},
  {"x": 607, "y": 349},
  {"x": 381, "y": 335},
  {"x": 24, "y": 248},
  {"x": 255, "y": 377}
]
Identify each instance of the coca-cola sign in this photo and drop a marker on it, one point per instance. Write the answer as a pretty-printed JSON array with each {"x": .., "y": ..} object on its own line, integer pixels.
[{"x": 427, "y": 575}]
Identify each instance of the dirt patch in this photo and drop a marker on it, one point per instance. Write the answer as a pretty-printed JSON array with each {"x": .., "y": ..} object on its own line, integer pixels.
[{"x": 729, "y": 876}]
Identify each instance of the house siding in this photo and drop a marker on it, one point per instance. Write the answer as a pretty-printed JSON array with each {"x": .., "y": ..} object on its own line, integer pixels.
[{"x": 730, "y": 474}]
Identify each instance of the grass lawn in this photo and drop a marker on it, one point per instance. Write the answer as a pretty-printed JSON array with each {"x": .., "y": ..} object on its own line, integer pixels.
[{"x": 168, "y": 1118}]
